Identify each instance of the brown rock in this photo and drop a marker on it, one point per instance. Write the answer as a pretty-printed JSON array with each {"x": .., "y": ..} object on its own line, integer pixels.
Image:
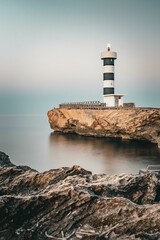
[{"x": 134, "y": 123}]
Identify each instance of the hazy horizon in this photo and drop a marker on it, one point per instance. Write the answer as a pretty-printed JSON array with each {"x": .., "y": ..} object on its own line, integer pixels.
[{"x": 50, "y": 52}]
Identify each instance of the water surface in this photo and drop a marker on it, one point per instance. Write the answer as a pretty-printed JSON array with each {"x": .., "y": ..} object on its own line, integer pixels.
[{"x": 28, "y": 140}]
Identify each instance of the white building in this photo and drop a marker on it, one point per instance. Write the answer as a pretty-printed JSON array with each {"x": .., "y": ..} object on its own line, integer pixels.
[{"x": 109, "y": 97}]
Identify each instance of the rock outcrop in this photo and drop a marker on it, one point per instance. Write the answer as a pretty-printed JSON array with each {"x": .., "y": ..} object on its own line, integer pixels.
[
  {"x": 134, "y": 123},
  {"x": 71, "y": 203}
]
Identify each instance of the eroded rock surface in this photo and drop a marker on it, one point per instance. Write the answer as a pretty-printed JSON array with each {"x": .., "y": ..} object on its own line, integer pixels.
[
  {"x": 134, "y": 123},
  {"x": 71, "y": 203}
]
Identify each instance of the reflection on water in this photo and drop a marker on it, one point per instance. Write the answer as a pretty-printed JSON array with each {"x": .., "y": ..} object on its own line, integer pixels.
[
  {"x": 101, "y": 155},
  {"x": 27, "y": 140}
]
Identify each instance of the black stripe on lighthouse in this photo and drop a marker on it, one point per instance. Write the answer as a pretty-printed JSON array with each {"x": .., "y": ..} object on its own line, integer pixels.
[
  {"x": 108, "y": 61},
  {"x": 108, "y": 91},
  {"x": 108, "y": 76}
]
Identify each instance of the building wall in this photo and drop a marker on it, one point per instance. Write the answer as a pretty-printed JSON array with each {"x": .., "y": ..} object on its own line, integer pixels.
[
  {"x": 108, "y": 68},
  {"x": 109, "y": 100},
  {"x": 113, "y": 101},
  {"x": 121, "y": 101}
]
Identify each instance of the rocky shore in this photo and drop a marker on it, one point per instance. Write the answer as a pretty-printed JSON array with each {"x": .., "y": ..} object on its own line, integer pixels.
[
  {"x": 72, "y": 203},
  {"x": 133, "y": 123}
]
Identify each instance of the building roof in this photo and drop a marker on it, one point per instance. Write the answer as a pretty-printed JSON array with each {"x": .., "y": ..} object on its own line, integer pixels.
[{"x": 114, "y": 95}]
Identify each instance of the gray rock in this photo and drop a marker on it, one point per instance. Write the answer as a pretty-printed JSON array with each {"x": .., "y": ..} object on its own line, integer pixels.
[
  {"x": 71, "y": 203},
  {"x": 4, "y": 160}
]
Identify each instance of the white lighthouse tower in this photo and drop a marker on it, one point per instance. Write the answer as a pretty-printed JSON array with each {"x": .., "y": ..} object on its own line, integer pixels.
[{"x": 109, "y": 97}]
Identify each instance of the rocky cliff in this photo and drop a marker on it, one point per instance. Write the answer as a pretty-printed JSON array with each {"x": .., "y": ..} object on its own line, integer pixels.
[
  {"x": 72, "y": 203},
  {"x": 134, "y": 123}
]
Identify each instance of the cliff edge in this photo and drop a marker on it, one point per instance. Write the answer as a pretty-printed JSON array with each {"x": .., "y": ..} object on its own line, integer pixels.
[
  {"x": 133, "y": 123},
  {"x": 72, "y": 203}
]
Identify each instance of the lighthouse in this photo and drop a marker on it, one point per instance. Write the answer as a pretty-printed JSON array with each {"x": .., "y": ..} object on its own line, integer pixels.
[{"x": 109, "y": 97}]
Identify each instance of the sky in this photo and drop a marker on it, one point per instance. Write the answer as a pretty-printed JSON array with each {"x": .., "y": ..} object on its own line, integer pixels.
[{"x": 50, "y": 52}]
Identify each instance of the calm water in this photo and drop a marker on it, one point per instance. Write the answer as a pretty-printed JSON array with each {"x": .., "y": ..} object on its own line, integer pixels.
[{"x": 28, "y": 141}]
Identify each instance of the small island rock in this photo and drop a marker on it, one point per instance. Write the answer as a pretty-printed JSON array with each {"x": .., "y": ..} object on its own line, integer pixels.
[{"x": 132, "y": 123}]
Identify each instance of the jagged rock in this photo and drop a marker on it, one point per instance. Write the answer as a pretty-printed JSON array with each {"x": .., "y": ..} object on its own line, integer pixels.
[
  {"x": 71, "y": 203},
  {"x": 4, "y": 160},
  {"x": 134, "y": 123}
]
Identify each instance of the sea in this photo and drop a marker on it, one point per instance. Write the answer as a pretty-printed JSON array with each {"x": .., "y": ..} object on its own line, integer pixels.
[{"x": 29, "y": 140}]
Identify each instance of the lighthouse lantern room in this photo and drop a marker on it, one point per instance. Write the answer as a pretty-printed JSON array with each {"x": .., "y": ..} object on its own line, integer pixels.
[{"x": 109, "y": 97}]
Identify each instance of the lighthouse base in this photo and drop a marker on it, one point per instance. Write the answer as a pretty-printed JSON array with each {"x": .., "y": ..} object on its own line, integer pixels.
[{"x": 113, "y": 100}]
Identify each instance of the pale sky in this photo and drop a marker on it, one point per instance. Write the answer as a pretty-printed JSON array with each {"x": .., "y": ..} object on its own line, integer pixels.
[{"x": 50, "y": 51}]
